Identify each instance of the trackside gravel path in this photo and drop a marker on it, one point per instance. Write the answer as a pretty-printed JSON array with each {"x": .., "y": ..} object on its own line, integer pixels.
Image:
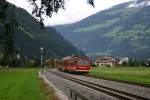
[
  {"x": 137, "y": 90},
  {"x": 70, "y": 89}
]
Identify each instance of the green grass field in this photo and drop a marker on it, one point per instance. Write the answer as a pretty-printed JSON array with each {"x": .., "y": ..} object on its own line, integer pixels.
[
  {"x": 20, "y": 84},
  {"x": 132, "y": 74}
]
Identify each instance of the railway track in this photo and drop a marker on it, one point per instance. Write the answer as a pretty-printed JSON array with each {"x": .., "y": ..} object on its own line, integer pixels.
[
  {"x": 106, "y": 90},
  {"x": 121, "y": 81}
]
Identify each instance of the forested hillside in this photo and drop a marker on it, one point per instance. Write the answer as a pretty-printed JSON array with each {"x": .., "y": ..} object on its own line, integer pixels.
[
  {"x": 123, "y": 30},
  {"x": 29, "y": 36}
]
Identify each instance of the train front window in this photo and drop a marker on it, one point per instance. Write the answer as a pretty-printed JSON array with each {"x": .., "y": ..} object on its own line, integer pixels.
[{"x": 82, "y": 62}]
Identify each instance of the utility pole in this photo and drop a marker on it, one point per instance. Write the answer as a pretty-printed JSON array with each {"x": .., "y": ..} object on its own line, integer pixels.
[
  {"x": 41, "y": 56},
  {"x": 55, "y": 62}
]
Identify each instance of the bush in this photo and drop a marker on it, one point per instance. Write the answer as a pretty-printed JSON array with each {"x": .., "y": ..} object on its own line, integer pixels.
[{"x": 93, "y": 65}]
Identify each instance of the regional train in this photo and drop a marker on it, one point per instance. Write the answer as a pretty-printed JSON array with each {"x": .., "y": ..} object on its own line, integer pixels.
[{"x": 74, "y": 64}]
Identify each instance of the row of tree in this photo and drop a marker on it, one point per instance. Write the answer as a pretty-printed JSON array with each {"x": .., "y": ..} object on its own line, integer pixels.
[
  {"x": 20, "y": 63},
  {"x": 136, "y": 63},
  {"x": 9, "y": 25}
]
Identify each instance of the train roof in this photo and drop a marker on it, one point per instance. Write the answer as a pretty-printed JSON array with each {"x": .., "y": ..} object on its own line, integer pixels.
[{"x": 74, "y": 57}]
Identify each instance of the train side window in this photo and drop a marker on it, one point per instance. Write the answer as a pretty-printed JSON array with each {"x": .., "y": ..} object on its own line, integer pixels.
[{"x": 82, "y": 62}]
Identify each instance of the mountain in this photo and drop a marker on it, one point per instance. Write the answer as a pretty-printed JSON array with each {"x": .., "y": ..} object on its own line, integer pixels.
[
  {"x": 29, "y": 36},
  {"x": 139, "y": 3},
  {"x": 122, "y": 30}
]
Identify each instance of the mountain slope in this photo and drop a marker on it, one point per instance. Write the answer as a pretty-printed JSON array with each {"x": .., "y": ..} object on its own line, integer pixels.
[
  {"x": 122, "y": 30},
  {"x": 30, "y": 37}
]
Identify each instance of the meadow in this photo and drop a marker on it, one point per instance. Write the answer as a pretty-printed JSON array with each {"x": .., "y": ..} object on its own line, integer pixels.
[
  {"x": 132, "y": 74},
  {"x": 21, "y": 84}
]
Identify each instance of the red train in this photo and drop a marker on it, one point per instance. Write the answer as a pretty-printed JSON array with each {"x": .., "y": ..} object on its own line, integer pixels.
[{"x": 74, "y": 64}]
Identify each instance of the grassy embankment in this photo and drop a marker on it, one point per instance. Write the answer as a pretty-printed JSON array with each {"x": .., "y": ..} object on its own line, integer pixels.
[
  {"x": 23, "y": 84},
  {"x": 132, "y": 74}
]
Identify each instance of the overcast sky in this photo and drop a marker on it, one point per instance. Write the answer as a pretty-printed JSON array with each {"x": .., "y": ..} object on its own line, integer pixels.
[{"x": 75, "y": 10}]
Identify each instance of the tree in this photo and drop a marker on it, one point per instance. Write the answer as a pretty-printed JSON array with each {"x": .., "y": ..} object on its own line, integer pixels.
[
  {"x": 48, "y": 7},
  {"x": 9, "y": 25}
]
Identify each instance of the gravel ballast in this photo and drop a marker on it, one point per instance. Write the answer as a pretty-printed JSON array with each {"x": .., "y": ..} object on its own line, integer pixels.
[
  {"x": 73, "y": 90},
  {"x": 58, "y": 93},
  {"x": 138, "y": 90}
]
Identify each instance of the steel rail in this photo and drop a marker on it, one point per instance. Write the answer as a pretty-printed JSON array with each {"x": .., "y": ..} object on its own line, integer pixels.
[
  {"x": 106, "y": 90},
  {"x": 120, "y": 81}
]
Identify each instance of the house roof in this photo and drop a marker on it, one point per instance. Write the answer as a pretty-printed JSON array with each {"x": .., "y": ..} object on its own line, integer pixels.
[{"x": 106, "y": 58}]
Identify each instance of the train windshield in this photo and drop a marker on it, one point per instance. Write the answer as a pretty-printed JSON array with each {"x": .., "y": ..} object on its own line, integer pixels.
[{"x": 82, "y": 62}]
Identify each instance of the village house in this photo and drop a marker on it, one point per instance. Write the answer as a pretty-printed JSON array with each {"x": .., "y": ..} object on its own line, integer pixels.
[
  {"x": 105, "y": 61},
  {"x": 147, "y": 63},
  {"x": 123, "y": 60}
]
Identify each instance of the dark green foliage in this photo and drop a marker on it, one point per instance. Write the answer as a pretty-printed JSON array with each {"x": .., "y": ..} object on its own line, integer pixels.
[
  {"x": 136, "y": 63},
  {"x": 133, "y": 63},
  {"x": 9, "y": 24},
  {"x": 7, "y": 41},
  {"x": 93, "y": 65},
  {"x": 3, "y": 7},
  {"x": 125, "y": 63}
]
